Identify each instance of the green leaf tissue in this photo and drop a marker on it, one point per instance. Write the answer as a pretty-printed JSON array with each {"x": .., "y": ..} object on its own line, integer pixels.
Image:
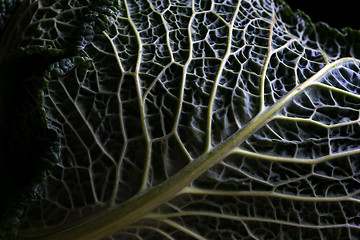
[{"x": 177, "y": 119}]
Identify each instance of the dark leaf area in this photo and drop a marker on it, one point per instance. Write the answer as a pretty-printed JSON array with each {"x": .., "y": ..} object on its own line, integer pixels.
[{"x": 25, "y": 138}]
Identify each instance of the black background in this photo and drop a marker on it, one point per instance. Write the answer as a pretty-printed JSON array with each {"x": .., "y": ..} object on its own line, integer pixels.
[{"x": 338, "y": 14}]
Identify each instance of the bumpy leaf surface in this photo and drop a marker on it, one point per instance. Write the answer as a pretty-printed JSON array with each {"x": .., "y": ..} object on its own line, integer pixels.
[{"x": 197, "y": 120}]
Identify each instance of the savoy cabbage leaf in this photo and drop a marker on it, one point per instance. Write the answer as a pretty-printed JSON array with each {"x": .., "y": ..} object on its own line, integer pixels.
[{"x": 181, "y": 119}]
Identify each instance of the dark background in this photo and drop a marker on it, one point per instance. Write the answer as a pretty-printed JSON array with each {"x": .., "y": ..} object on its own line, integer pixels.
[{"x": 338, "y": 14}]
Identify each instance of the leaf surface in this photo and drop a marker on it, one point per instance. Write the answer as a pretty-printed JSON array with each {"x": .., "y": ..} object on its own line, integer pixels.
[{"x": 197, "y": 120}]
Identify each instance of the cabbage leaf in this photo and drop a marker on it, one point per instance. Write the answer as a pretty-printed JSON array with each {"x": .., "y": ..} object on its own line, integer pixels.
[{"x": 180, "y": 119}]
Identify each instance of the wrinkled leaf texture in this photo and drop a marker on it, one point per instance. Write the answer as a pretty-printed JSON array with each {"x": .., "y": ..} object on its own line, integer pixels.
[{"x": 195, "y": 120}]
